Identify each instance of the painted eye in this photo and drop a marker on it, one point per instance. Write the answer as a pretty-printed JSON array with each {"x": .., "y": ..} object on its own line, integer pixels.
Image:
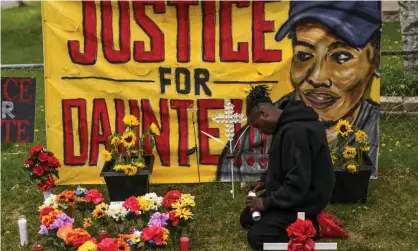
[
  {"x": 303, "y": 56},
  {"x": 341, "y": 57}
]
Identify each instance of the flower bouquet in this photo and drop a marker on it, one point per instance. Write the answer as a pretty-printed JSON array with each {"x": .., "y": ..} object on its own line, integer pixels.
[
  {"x": 87, "y": 200},
  {"x": 128, "y": 162},
  {"x": 345, "y": 156},
  {"x": 41, "y": 166},
  {"x": 353, "y": 166}
]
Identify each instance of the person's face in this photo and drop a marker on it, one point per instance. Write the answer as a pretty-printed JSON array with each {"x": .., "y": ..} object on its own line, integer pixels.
[
  {"x": 262, "y": 120},
  {"x": 328, "y": 74}
]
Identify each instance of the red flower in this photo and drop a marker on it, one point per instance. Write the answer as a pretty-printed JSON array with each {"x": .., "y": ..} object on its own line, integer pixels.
[
  {"x": 43, "y": 157},
  {"x": 53, "y": 162},
  {"x": 108, "y": 244},
  {"x": 263, "y": 161},
  {"x": 301, "y": 229},
  {"x": 94, "y": 196},
  {"x": 80, "y": 240},
  {"x": 173, "y": 218},
  {"x": 47, "y": 184},
  {"x": 35, "y": 149},
  {"x": 29, "y": 162},
  {"x": 153, "y": 233},
  {"x": 297, "y": 245},
  {"x": 132, "y": 205},
  {"x": 250, "y": 160},
  {"x": 38, "y": 170},
  {"x": 45, "y": 167},
  {"x": 171, "y": 197},
  {"x": 45, "y": 211}
]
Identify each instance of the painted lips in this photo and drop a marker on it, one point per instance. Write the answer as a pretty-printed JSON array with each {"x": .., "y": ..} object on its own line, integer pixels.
[{"x": 321, "y": 100}]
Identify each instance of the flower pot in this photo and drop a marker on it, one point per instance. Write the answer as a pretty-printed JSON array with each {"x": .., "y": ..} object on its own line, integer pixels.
[
  {"x": 352, "y": 187},
  {"x": 121, "y": 187}
]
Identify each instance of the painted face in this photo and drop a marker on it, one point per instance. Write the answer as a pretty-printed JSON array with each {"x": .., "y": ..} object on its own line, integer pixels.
[{"x": 327, "y": 73}]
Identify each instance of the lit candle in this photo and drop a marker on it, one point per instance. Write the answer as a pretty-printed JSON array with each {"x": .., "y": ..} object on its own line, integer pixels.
[
  {"x": 23, "y": 232},
  {"x": 184, "y": 243}
]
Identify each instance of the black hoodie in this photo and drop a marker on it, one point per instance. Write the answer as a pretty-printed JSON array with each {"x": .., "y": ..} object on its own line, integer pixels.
[{"x": 300, "y": 175}]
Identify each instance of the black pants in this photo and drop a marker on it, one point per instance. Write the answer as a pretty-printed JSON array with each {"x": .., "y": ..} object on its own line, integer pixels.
[{"x": 271, "y": 228}]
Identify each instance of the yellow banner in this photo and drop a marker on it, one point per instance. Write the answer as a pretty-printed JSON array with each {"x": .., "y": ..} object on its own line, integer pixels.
[{"x": 104, "y": 60}]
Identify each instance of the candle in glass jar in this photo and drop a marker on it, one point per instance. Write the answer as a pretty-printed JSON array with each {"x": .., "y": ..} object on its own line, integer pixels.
[
  {"x": 102, "y": 234},
  {"x": 184, "y": 243},
  {"x": 37, "y": 247},
  {"x": 23, "y": 231}
]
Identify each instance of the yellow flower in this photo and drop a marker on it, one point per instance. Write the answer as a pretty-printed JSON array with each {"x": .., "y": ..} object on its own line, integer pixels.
[
  {"x": 165, "y": 235},
  {"x": 130, "y": 170},
  {"x": 115, "y": 141},
  {"x": 130, "y": 120},
  {"x": 188, "y": 200},
  {"x": 352, "y": 168},
  {"x": 107, "y": 156},
  {"x": 361, "y": 136},
  {"x": 98, "y": 212},
  {"x": 140, "y": 165},
  {"x": 177, "y": 205},
  {"x": 183, "y": 213},
  {"x": 86, "y": 222},
  {"x": 349, "y": 152},
  {"x": 343, "y": 128},
  {"x": 365, "y": 148},
  {"x": 88, "y": 246},
  {"x": 103, "y": 206},
  {"x": 128, "y": 139},
  {"x": 119, "y": 167},
  {"x": 154, "y": 129},
  {"x": 144, "y": 204},
  {"x": 334, "y": 158},
  {"x": 135, "y": 238}
]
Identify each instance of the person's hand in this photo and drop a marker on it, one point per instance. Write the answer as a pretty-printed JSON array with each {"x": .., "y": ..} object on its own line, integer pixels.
[
  {"x": 254, "y": 203},
  {"x": 255, "y": 187}
]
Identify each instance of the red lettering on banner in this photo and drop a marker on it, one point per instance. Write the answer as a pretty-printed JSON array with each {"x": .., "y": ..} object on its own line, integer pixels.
[
  {"x": 261, "y": 26},
  {"x": 162, "y": 142},
  {"x": 21, "y": 130},
  {"x": 89, "y": 56},
  {"x": 208, "y": 32},
  {"x": 122, "y": 55},
  {"x": 22, "y": 84},
  {"x": 227, "y": 53},
  {"x": 100, "y": 129},
  {"x": 157, "y": 52},
  {"x": 70, "y": 159},
  {"x": 7, "y": 123},
  {"x": 204, "y": 105},
  {"x": 6, "y": 89},
  {"x": 183, "y": 34},
  {"x": 181, "y": 107}
]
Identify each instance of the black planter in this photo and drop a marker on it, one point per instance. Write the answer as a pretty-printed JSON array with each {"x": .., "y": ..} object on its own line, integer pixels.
[
  {"x": 352, "y": 187},
  {"x": 121, "y": 186}
]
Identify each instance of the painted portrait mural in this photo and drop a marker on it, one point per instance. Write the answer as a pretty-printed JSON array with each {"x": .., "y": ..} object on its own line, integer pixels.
[{"x": 336, "y": 56}]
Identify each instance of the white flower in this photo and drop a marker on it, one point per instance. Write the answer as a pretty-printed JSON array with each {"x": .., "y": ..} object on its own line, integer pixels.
[
  {"x": 117, "y": 212},
  {"x": 51, "y": 201},
  {"x": 154, "y": 199},
  {"x": 138, "y": 233}
]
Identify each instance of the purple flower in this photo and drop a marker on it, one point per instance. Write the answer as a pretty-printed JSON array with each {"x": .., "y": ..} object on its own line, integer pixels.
[
  {"x": 158, "y": 220},
  {"x": 62, "y": 219},
  {"x": 43, "y": 230}
]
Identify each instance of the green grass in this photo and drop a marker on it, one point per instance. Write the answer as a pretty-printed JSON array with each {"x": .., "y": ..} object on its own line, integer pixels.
[{"x": 389, "y": 220}]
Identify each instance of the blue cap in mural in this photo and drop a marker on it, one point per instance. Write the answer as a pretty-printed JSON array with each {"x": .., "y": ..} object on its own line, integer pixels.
[{"x": 353, "y": 21}]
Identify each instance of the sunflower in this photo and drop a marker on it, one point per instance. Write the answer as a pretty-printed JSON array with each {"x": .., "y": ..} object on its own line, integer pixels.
[
  {"x": 107, "y": 156},
  {"x": 365, "y": 148},
  {"x": 119, "y": 167},
  {"x": 128, "y": 139},
  {"x": 130, "y": 120},
  {"x": 154, "y": 129},
  {"x": 103, "y": 206},
  {"x": 140, "y": 165},
  {"x": 352, "y": 168},
  {"x": 334, "y": 158},
  {"x": 130, "y": 170},
  {"x": 183, "y": 213},
  {"x": 98, "y": 213},
  {"x": 123, "y": 246},
  {"x": 349, "y": 152},
  {"x": 86, "y": 222},
  {"x": 115, "y": 141},
  {"x": 344, "y": 128},
  {"x": 361, "y": 136}
]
